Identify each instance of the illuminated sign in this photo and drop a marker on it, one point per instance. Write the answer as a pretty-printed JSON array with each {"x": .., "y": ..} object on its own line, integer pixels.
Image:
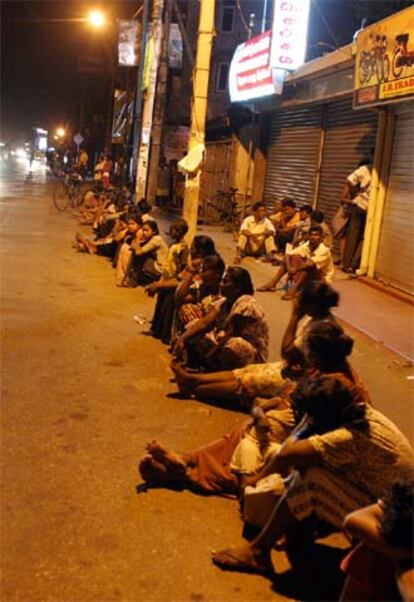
[
  {"x": 251, "y": 74},
  {"x": 289, "y": 33},
  {"x": 384, "y": 61}
]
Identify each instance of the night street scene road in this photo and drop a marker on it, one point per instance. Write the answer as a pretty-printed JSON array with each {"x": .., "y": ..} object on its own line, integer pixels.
[{"x": 207, "y": 280}]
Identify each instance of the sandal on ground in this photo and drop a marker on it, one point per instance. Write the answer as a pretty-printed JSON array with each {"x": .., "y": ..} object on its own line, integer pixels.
[{"x": 266, "y": 289}]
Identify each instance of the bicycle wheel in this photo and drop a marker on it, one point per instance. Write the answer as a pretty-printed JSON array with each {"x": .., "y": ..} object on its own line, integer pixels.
[
  {"x": 76, "y": 196},
  {"x": 60, "y": 196}
]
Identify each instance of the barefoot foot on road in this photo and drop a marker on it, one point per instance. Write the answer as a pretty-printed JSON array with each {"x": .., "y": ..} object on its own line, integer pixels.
[{"x": 244, "y": 559}]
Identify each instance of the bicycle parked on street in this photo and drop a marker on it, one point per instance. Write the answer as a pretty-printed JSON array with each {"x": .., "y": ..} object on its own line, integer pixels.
[
  {"x": 222, "y": 209},
  {"x": 68, "y": 191}
]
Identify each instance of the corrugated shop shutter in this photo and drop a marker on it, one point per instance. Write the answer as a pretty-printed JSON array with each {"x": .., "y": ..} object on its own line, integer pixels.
[
  {"x": 395, "y": 261},
  {"x": 349, "y": 137},
  {"x": 292, "y": 155}
]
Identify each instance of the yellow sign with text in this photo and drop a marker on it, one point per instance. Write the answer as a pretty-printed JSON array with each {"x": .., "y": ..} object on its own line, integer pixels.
[{"x": 384, "y": 62}]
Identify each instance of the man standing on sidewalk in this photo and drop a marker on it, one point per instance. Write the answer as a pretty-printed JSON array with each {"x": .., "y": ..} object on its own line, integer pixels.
[{"x": 359, "y": 182}]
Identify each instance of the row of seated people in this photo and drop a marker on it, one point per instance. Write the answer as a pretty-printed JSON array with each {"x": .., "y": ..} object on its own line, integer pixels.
[
  {"x": 314, "y": 454},
  {"x": 314, "y": 450}
]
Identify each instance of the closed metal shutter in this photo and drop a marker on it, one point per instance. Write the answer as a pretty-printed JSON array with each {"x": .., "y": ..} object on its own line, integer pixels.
[
  {"x": 292, "y": 155},
  {"x": 395, "y": 261},
  {"x": 349, "y": 137}
]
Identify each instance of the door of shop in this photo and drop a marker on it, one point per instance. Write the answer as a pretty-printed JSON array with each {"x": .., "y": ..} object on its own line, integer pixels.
[
  {"x": 348, "y": 137},
  {"x": 292, "y": 157},
  {"x": 395, "y": 260}
]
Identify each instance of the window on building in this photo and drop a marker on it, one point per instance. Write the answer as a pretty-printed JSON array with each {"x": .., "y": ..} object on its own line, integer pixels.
[
  {"x": 227, "y": 18},
  {"x": 222, "y": 77}
]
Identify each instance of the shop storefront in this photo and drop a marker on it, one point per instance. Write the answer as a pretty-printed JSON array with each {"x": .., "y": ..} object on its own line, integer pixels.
[
  {"x": 395, "y": 260},
  {"x": 313, "y": 148},
  {"x": 387, "y": 85}
]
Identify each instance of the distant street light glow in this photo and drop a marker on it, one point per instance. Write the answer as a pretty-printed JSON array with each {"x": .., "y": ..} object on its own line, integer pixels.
[
  {"x": 96, "y": 18},
  {"x": 60, "y": 133}
]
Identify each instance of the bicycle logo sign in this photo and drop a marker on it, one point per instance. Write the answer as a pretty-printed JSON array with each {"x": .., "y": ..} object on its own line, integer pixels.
[{"x": 384, "y": 66}]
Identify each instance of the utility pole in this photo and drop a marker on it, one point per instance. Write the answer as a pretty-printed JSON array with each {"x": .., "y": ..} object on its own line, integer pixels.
[
  {"x": 138, "y": 95},
  {"x": 145, "y": 137},
  {"x": 159, "y": 108},
  {"x": 199, "y": 108}
]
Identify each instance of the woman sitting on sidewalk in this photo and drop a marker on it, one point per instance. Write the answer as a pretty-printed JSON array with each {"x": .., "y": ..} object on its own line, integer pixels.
[
  {"x": 108, "y": 245},
  {"x": 381, "y": 567},
  {"x": 234, "y": 332},
  {"x": 242, "y": 385},
  {"x": 165, "y": 287},
  {"x": 145, "y": 258},
  {"x": 346, "y": 457},
  {"x": 222, "y": 466}
]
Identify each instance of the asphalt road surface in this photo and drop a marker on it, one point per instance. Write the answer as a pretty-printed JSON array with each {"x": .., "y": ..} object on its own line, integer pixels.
[{"x": 83, "y": 390}]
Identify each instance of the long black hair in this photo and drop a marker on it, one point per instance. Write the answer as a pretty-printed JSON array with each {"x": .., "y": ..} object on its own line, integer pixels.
[
  {"x": 202, "y": 246},
  {"x": 328, "y": 347},
  {"x": 241, "y": 279},
  {"x": 329, "y": 402}
]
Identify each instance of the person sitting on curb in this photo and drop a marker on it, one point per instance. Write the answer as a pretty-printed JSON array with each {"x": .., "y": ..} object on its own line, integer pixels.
[
  {"x": 256, "y": 235},
  {"x": 285, "y": 223},
  {"x": 318, "y": 219},
  {"x": 302, "y": 227},
  {"x": 344, "y": 454},
  {"x": 311, "y": 260},
  {"x": 380, "y": 567}
]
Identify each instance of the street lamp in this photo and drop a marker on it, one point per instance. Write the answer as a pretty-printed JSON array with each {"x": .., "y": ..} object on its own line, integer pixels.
[
  {"x": 96, "y": 18},
  {"x": 60, "y": 133}
]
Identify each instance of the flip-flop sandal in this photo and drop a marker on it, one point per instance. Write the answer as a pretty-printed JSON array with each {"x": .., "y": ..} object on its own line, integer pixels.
[
  {"x": 262, "y": 289},
  {"x": 227, "y": 561}
]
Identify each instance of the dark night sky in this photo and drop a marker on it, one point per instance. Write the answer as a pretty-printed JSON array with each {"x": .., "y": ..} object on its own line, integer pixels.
[{"x": 40, "y": 81}]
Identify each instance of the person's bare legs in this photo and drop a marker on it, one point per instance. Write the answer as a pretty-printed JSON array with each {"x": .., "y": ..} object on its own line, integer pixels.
[
  {"x": 271, "y": 285},
  {"x": 256, "y": 556},
  {"x": 188, "y": 382},
  {"x": 223, "y": 390},
  {"x": 170, "y": 459}
]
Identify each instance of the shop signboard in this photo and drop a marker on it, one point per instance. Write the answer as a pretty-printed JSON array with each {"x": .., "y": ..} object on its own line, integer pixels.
[
  {"x": 129, "y": 34},
  {"x": 175, "y": 48},
  {"x": 122, "y": 116},
  {"x": 289, "y": 33},
  {"x": 384, "y": 61},
  {"x": 251, "y": 74}
]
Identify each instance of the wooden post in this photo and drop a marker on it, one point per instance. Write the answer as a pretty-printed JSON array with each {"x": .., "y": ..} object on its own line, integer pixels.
[
  {"x": 199, "y": 108},
  {"x": 159, "y": 108},
  {"x": 145, "y": 137}
]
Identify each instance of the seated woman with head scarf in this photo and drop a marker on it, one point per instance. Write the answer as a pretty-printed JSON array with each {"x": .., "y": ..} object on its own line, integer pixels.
[{"x": 232, "y": 334}]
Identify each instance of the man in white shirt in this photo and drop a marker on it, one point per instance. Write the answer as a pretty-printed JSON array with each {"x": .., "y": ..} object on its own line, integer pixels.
[
  {"x": 359, "y": 183},
  {"x": 256, "y": 235},
  {"x": 310, "y": 260}
]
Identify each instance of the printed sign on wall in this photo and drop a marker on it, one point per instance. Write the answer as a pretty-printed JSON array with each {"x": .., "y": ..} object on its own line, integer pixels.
[{"x": 384, "y": 62}]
